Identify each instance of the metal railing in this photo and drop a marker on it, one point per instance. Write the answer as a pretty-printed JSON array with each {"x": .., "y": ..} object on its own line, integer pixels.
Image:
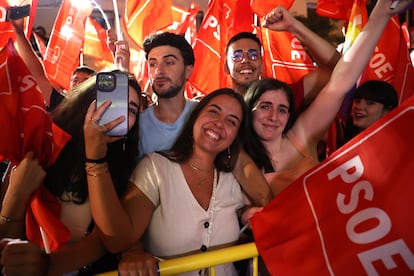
[{"x": 207, "y": 259}]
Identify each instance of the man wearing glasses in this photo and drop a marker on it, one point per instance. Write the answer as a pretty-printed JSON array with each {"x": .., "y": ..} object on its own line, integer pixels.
[{"x": 244, "y": 61}]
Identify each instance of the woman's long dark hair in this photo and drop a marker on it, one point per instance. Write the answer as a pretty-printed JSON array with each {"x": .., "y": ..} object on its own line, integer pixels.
[
  {"x": 254, "y": 146},
  {"x": 68, "y": 174},
  {"x": 183, "y": 147}
]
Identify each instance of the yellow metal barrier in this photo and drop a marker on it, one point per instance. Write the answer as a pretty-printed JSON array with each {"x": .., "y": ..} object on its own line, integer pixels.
[{"x": 207, "y": 259}]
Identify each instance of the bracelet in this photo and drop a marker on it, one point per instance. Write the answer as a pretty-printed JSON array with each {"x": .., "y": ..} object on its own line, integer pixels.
[
  {"x": 95, "y": 169},
  {"x": 96, "y": 161},
  {"x": 8, "y": 219}
]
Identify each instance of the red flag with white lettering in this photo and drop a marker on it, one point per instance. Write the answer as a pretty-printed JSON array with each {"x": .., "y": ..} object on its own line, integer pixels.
[
  {"x": 208, "y": 50},
  {"x": 391, "y": 62},
  {"x": 338, "y": 9},
  {"x": 284, "y": 57},
  {"x": 350, "y": 215},
  {"x": 262, "y": 7},
  {"x": 66, "y": 41},
  {"x": 95, "y": 41},
  {"x": 6, "y": 29},
  {"x": 143, "y": 17},
  {"x": 29, "y": 128},
  {"x": 223, "y": 19}
]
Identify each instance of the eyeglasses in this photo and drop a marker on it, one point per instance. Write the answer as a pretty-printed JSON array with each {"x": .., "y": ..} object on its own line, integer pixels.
[{"x": 238, "y": 55}]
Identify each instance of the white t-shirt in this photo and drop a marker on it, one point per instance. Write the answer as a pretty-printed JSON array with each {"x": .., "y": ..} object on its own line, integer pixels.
[{"x": 179, "y": 225}]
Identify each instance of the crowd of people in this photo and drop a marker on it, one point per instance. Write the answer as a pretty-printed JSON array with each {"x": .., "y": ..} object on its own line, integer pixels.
[{"x": 188, "y": 174}]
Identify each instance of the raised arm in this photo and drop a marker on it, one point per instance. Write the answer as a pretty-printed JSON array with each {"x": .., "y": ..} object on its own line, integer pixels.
[
  {"x": 120, "y": 223},
  {"x": 32, "y": 61},
  {"x": 313, "y": 123},
  {"x": 324, "y": 53}
]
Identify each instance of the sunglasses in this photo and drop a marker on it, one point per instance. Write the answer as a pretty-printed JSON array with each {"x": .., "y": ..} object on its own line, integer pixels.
[{"x": 238, "y": 55}]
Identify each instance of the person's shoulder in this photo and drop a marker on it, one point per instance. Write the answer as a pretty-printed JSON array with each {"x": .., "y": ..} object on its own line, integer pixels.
[{"x": 146, "y": 113}]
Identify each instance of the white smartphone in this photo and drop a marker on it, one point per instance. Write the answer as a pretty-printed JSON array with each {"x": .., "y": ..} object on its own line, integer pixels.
[{"x": 113, "y": 86}]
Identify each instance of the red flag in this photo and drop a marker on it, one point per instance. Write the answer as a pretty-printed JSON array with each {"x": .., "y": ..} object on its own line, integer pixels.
[
  {"x": 242, "y": 19},
  {"x": 263, "y": 7},
  {"x": 29, "y": 128},
  {"x": 6, "y": 29},
  {"x": 338, "y": 9},
  {"x": 209, "y": 48},
  {"x": 350, "y": 215},
  {"x": 391, "y": 62},
  {"x": 185, "y": 22},
  {"x": 143, "y": 17},
  {"x": 62, "y": 52},
  {"x": 284, "y": 57},
  {"x": 95, "y": 41}
]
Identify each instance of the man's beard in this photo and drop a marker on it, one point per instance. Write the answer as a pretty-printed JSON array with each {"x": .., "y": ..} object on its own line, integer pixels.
[{"x": 170, "y": 93}]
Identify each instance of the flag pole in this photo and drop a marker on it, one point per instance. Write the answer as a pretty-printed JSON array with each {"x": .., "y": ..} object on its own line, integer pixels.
[{"x": 45, "y": 240}]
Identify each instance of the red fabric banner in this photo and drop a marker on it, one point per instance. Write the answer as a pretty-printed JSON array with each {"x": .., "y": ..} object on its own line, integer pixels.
[
  {"x": 351, "y": 214},
  {"x": 95, "y": 41},
  {"x": 338, "y": 9},
  {"x": 29, "y": 128},
  {"x": 6, "y": 29},
  {"x": 143, "y": 17},
  {"x": 209, "y": 48},
  {"x": 66, "y": 41},
  {"x": 284, "y": 57},
  {"x": 263, "y": 7},
  {"x": 185, "y": 22},
  {"x": 390, "y": 61},
  {"x": 219, "y": 25}
]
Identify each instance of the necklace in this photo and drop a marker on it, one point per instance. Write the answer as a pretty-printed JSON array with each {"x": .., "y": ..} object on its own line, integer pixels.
[
  {"x": 201, "y": 181},
  {"x": 195, "y": 168}
]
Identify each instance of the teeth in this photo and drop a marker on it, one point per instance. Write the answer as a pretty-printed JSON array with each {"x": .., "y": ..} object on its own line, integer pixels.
[
  {"x": 246, "y": 71},
  {"x": 212, "y": 134}
]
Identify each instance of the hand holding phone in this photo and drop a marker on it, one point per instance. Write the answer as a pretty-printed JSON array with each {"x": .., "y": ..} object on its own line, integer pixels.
[{"x": 113, "y": 86}]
